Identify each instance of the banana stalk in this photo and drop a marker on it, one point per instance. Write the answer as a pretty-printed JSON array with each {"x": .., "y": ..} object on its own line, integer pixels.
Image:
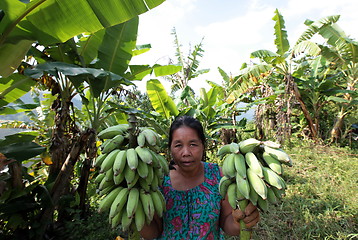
[{"x": 245, "y": 234}]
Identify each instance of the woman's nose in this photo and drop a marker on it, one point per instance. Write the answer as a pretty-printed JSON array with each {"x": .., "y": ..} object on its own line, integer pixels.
[{"x": 186, "y": 151}]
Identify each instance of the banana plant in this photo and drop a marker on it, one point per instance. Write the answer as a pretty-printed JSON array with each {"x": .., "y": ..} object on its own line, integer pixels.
[
  {"x": 23, "y": 24},
  {"x": 65, "y": 78},
  {"x": 341, "y": 52},
  {"x": 280, "y": 65},
  {"x": 189, "y": 66}
]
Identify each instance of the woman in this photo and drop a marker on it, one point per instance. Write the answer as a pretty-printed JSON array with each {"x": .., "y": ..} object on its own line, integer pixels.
[{"x": 195, "y": 208}]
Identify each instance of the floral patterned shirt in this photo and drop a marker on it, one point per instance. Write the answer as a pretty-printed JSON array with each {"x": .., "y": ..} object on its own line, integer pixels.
[{"x": 193, "y": 214}]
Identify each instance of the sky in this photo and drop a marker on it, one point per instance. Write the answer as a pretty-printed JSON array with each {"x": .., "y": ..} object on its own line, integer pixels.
[{"x": 230, "y": 30}]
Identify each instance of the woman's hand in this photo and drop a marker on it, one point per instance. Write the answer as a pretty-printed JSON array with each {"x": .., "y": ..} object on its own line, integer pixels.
[{"x": 250, "y": 215}]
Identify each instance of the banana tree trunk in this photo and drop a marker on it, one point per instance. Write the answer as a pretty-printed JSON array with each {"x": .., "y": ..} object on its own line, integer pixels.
[
  {"x": 311, "y": 125},
  {"x": 63, "y": 178},
  {"x": 91, "y": 152},
  {"x": 336, "y": 131}
]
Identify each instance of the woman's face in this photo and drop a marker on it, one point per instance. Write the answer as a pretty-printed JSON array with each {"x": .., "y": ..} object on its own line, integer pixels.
[{"x": 186, "y": 148}]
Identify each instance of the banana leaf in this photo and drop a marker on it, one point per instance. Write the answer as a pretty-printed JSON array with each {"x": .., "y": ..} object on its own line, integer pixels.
[
  {"x": 50, "y": 21},
  {"x": 160, "y": 100}
]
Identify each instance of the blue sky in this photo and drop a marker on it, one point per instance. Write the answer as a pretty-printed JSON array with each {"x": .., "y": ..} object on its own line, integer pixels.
[{"x": 231, "y": 29}]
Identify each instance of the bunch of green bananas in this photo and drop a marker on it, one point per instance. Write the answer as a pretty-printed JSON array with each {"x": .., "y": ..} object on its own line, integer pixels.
[
  {"x": 129, "y": 177},
  {"x": 252, "y": 171}
]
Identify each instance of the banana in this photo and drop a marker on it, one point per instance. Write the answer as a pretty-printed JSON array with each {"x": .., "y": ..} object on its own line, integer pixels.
[
  {"x": 262, "y": 204},
  {"x": 112, "y": 144},
  {"x": 155, "y": 183},
  {"x": 118, "y": 179},
  {"x": 109, "y": 175},
  {"x": 239, "y": 195},
  {"x": 120, "y": 162},
  {"x": 223, "y": 185},
  {"x": 150, "y": 136},
  {"x": 148, "y": 205},
  {"x": 105, "y": 190},
  {"x": 271, "y": 197},
  {"x": 141, "y": 139},
  {"x": 99, "y": 160},
  {"x": 108, "y": 161},
  {"x": 279, "y": 154},
  {"x": 125, "y": 221},
  {"x": 110, "y": 132},
  {"x": 228, "y": 167},
  {"x": 225, "y": 149},
  {"x": 143, "y": 184},
  {"x": 132, "y": 202},
  {"x": 272, "y": 178},
  {"x": 254, "y": 163},
  {"x": 240, "y": 165},
  {"x": 132, "y": 158},
  {"x": 155, "y": 162},
  {"x": 131, "y": 185},
  {"x": 142, "y": 169},
  {"x": 115, "y": 220},
  {"x": 159, "y": 172},
  {"x": 243, "y": 186},
  {"x": 279, "y": 193},
  {"x": 248, "y": 145},
  {"x": 105, "y": 184},
  {"x": 163, "y": 163},
  {"x": 271, "y": 144},
  {"x": 157, "y": 202},
  {"x": 150, "y": 176},
  {"x": 257, "y": 183},
  {"x": 129, "y": 174},
  {"x": 144, "y": 154},
  {"x": 234, "y": 147},
  {"x": 107, "y": 201},
  {"x": 231, "y": 195},
  {"x": 253, "y": 196},
  {"x": 119, "y": 203},
  {"x": 273, "y": 163},
  {"x": 99, "y": 178},
  {"x": 139, "y": 217}
]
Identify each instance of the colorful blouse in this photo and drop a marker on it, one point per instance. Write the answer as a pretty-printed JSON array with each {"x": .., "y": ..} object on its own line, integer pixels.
[{"x": 193, "y": 214}]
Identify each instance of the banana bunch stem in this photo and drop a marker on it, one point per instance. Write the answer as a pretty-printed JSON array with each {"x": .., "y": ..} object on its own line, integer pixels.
[{"x": 245, "y": 234}]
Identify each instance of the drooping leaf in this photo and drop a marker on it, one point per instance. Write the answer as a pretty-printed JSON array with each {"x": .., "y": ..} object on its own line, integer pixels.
[
  {"x": 160, "y": 100},
  {"x": 48, "y": 22},
  {"x": 14, "y": 87},
  {"x": 314, "y": 27},
  {"x": 22, "y": 151},
  {"x": 115, "y": 51},
  {"x": 165, "y": 70},
  {"x": 307, "y": 47}
]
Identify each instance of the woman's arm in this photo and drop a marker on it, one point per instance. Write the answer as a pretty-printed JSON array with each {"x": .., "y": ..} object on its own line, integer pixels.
[
  {"x": 230, "y": 218},
  {"x": 154, "y": 229}
]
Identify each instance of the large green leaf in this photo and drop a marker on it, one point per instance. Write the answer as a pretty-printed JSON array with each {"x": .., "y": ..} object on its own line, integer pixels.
[
  {"x": 314, "y": 27},
  {"x": 20, "y": 146},
  {"x": 307, "y": 47},
  {"x": 14, "y": 87},
  {"x": 88, "y": 46},
  {"x": 51, "y": 21},
  {"x": 281, "y": 41},
  {"x": 160, "y": 100},
  {"x": 115, "y": 51}
]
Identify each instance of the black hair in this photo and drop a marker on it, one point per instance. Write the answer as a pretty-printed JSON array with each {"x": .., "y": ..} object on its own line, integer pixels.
[{"x": 187, "y": 121}]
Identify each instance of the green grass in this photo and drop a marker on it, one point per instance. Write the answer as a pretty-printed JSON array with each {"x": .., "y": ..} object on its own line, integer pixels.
[{"x": 321, "y": 200}]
